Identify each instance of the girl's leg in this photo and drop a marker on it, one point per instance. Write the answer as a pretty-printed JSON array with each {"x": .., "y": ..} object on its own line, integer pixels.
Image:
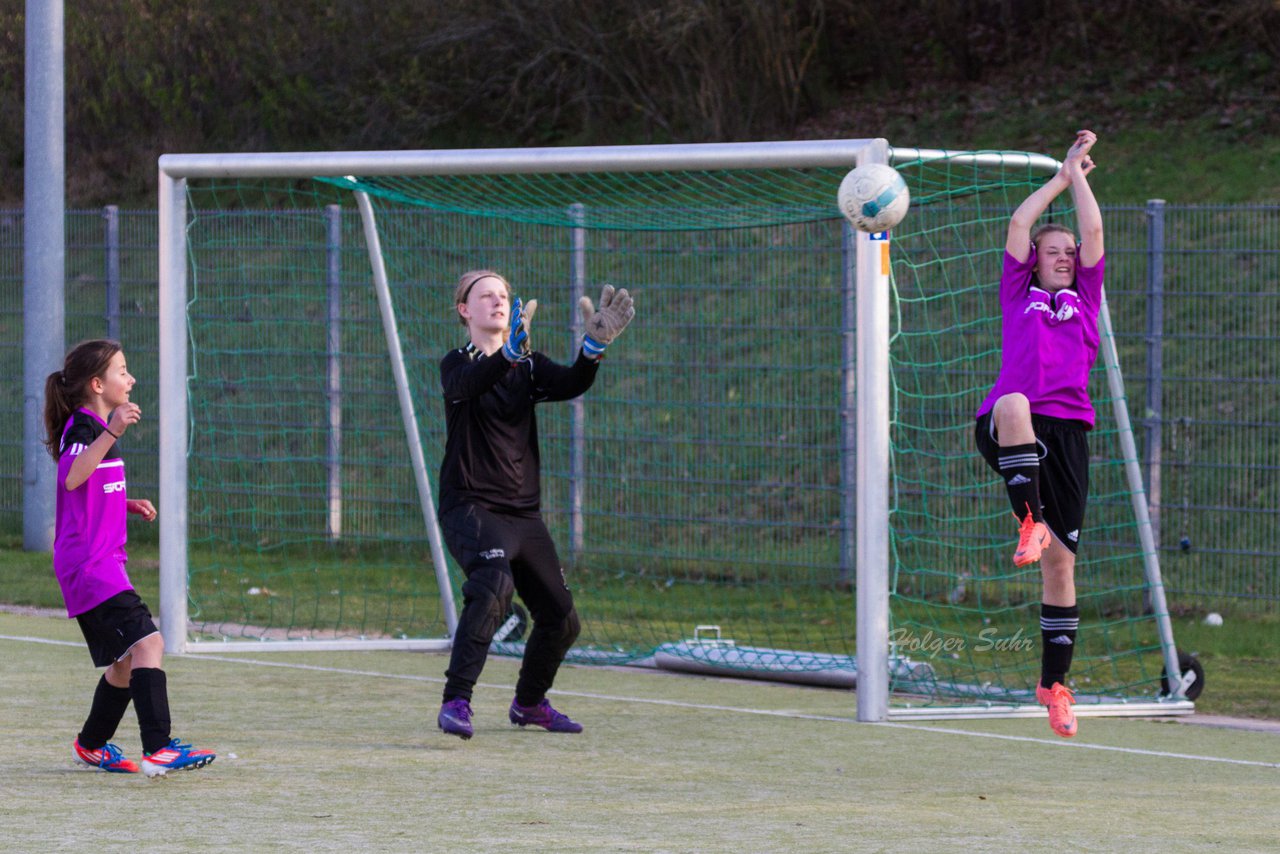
[
  {"x": 482, "y": 544},
  {"x": 1019, "y": 455},
  {"x": 539, "y": 580},
  {"x": 110, "y": 702},
  {"x": 1059, "y": 614},
  {"x": 150, "y": 689}
]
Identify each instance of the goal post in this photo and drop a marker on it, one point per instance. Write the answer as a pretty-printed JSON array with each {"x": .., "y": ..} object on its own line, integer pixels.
[
  {"x": 175, "y": 170},
  {"x": 725, "y": 474}
]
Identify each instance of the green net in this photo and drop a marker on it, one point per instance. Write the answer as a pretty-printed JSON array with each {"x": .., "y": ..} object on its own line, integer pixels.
[{"x": 711, "y": 487}]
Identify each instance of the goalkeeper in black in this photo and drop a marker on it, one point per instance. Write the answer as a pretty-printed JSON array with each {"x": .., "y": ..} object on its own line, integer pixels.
[{"x": 490, "y": 494}]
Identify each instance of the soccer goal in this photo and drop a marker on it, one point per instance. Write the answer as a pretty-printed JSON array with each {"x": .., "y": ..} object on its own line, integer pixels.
[{"x": 772, "y": 476}]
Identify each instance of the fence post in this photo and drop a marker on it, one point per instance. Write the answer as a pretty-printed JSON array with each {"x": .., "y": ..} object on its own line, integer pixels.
[
  {"x": 848, "y": 411},
  {"x": 1154, "y": 421},
  {"x": 111, "y": 213},
  {"x": 333, "y": 276},
  {"x": 577, "y": 414}
]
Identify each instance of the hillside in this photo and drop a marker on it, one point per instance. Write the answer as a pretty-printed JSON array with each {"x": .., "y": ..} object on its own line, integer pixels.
[
  {"x": 1181, "y": 92},
  {"x": 1167, "y": 133}
]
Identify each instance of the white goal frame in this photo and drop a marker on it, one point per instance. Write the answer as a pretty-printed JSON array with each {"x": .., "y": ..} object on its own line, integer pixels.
[{"x": 865, "y": 390}]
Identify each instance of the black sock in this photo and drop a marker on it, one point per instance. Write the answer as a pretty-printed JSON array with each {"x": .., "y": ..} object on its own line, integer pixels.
[
  {"x": 151, "y": 701},
  {"x": 109, "y": 706},
  {"x": 1020, "y": 468},
  {"x": 1058, "y": 627}
]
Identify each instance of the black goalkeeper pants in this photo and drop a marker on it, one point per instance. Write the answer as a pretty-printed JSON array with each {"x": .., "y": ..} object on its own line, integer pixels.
[{"x": 501, "y": 554}]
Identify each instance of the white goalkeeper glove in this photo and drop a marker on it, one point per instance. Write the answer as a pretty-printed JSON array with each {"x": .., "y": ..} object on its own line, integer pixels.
[{"x": 616, "y": 310}]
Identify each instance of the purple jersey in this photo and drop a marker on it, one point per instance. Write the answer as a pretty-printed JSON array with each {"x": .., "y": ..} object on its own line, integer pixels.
[
  {"x": 1048, "y": 341},
  {"x": 88, "y": 547}
]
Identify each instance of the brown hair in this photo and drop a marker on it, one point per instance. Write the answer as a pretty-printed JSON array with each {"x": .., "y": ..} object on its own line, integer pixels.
[
  {"x": 67, "y": 389},
  {"x": 468, "y": 281}
]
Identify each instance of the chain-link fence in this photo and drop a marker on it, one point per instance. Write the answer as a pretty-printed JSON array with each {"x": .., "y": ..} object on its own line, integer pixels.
[{"x": 1192, "y": 290}]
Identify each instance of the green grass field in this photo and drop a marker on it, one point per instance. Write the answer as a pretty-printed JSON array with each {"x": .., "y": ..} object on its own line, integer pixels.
[
  {"x": 340, "y": 752},
  {"x": 1240, "y": 658}
]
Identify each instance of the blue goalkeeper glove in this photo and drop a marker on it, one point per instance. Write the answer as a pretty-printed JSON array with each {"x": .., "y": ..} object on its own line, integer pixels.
[{"x": 517, "y": 344}]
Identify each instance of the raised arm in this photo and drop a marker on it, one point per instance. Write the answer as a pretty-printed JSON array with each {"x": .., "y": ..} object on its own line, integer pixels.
[
  {"x": 1074, "y": 169},
  {"x": 83, "y": 466},
  {"x": 1088, "y": 215}
]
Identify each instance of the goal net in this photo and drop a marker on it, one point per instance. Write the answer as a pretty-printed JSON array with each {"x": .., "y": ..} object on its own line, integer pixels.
[{"x": 704, "y": 495}]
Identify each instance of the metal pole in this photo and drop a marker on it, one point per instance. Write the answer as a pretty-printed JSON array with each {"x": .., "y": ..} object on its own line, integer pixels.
[
  {"x": 333, "y": 273},
  {"x": 577, "y": 410},
  {"x": 872, "y": 464},
  {"x": 1154, "y": 421},
  {"x": 111, "y": 213},
  {"x": 44, "y": 262},
  {"x": 408, "y": 415},
  {"x": 1133, "y": 473},
  {"x": 173, "y": 412}
]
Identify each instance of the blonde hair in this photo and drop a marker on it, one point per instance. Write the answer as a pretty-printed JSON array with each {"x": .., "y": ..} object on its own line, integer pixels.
[
  {"x": 1049, "y": 228},
  {"x": 468, "y": 280}
]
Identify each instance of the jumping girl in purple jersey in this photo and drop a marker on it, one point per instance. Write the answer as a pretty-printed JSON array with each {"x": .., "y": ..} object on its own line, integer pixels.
[
  {"x": 86, "y": 410},
  {"x": 1032, "y": 428}
]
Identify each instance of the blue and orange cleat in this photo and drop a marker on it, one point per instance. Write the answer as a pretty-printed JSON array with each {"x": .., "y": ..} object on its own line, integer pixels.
[
  {"x": 175, "y": 756},
  {"x": 108, "y": 757}
]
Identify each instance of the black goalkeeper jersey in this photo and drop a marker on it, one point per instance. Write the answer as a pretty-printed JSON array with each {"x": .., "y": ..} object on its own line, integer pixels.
[{"x": 491, "y": 450}]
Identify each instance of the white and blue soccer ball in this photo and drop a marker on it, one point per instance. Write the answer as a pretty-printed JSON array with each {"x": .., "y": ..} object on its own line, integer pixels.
[{"x": 874, "y": 197}]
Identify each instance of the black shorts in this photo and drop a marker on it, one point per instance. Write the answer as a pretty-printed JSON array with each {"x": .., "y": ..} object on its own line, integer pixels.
[
  {"x": 112, "y": 627},
  {"x": 1064, "y": 470}
]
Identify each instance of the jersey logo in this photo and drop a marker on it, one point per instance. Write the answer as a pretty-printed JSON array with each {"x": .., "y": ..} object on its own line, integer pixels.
[
  {"x": 493, "y": 553},
  {"x": 108, "y": 488},
  {"x": 1074, "y": 535},
  {"x": 1062, "y": 315}
]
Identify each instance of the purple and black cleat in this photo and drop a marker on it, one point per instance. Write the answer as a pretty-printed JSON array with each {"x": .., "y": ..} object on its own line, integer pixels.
[
  {"x": 542, "y": 715},
  {"x": 455, "y": 718}
]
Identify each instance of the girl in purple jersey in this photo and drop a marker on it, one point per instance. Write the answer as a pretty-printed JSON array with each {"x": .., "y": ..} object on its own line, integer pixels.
[
  {"x": 1032, "y": 428},
  {"x": 86, "y": 410}
]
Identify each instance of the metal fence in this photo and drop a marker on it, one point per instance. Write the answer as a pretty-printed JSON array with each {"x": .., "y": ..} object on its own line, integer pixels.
[{"x": 1192, "y": 290}]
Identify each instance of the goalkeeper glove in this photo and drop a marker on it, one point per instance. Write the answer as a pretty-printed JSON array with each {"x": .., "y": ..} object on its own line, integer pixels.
[
  {"x": 616, "y": 310},
  {"x": 517, "y": 343}
]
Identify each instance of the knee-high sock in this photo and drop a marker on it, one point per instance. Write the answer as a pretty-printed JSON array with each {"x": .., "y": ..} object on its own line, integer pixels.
[
  {"x": 151, "y": 701},
  {"x": 109, "y": 706},
  {"x": 1020, "y": 468},
  {"x": 1058, "y": 627}
]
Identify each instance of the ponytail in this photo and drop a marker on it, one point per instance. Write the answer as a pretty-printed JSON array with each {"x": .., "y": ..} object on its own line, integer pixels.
[{"x": 67, "y": 389}]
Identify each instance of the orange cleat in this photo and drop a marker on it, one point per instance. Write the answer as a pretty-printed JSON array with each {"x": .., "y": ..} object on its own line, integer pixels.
[
  {"x": 1059, "y": 700},
  {"x": 1033, "y": 539}
]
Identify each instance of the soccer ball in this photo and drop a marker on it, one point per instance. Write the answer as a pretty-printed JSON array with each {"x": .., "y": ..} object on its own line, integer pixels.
[{"x": 874, "y": 197}]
